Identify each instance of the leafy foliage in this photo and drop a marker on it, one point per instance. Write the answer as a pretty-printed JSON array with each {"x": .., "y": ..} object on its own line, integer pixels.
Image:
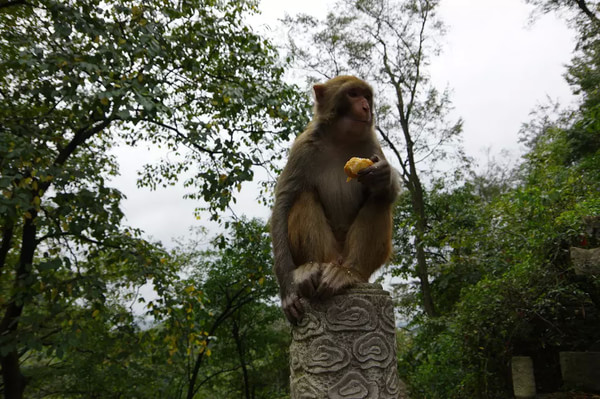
[
  {"x": 76, "y": 79},
  {"x": 213, "y": 333},
  {"x": 221, "y": 325},
  {"x": 512, "y": 290},
  {"x": 507, "y": 287}
]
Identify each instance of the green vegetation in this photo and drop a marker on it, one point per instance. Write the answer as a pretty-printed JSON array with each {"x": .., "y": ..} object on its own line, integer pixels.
[
  {"x": 76, "y": 79},
  {"x": 503, "y": 278},
  {"x": 89, "y": 308}
]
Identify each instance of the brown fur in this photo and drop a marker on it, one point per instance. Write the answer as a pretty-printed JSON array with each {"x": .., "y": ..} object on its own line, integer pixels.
[{"x": 328, "y": 233}]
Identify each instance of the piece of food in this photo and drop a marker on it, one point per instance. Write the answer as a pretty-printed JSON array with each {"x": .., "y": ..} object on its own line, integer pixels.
[{"x": 355, "y": 164}]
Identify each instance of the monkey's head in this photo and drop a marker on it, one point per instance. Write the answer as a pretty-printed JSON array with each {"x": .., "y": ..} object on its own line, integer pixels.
[{"x": 344, "y": 97}]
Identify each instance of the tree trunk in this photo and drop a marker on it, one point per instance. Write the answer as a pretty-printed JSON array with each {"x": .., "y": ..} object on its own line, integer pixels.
[
  {"x": 418, "y": 205},
  {"x": 192, "y": 381},
  {"x": 240, "y": 349},
  {"x": 415, "y": 189},
  {"x": 14, "y": 381}
]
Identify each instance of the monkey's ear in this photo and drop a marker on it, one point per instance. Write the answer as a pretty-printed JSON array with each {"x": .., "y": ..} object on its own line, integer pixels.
[{"x": 319, "y": 92}]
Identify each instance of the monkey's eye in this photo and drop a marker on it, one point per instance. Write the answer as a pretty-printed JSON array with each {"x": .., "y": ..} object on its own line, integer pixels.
[{"x": 353, "y": 93}]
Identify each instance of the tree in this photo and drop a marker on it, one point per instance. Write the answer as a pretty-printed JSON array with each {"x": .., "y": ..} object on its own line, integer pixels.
[
  {"x": 223, "y": 329},
  {"x": 505, "y": 285},
  {"x": 388, "y": 43},
  {"x": 112, "y": 354},
  {"x": 584, "y": 10},
  {"x": 77, "y": 78},
  {"x": 527, "y": 299},
  {"x": 214, "y": 331}
]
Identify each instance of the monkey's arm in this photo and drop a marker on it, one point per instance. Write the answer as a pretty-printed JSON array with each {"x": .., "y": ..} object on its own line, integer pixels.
[
  {"x": 382, "y": 181},
  {"x": 290, "y": 184},
  {"x": 284, "y": 263}
]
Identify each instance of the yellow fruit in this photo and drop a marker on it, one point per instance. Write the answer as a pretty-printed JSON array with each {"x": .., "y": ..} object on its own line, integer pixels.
[{"x": 354, "y": 165}]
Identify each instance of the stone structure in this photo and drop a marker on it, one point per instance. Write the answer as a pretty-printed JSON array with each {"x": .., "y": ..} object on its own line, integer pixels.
[
  {"x": 581, "y": 370},
  {"x": 586, "y": 262},
  {"x": 345, "y": 348},
  {"x": 523, "y": 377}
]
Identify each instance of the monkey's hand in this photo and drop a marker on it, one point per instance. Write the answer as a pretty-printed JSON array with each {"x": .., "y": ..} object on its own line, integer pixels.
[
  {"x": 378, "y": 177},
  {"x": 336, "y": 277},
  {"x": 292, "y": 306},
  {"x": 307, "y": 278}
]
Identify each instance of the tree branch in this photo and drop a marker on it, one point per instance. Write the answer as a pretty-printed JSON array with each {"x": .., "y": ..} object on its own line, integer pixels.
[
  {"x": 7, "y": 234},
  {"x": 10, "y": 3},
  {"x": 230, "y": 308},
  {"x": 205, "y": 380},
  {"x": 212, "y": 153},
  {"x": 80, "y": 137},
  {"x": 418, "y": 62},
  {"x": 583, "y": 6},
  {"x": 394, "y": 149}
]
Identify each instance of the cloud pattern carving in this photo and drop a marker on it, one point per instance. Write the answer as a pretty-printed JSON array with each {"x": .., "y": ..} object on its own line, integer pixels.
[
  {"x": 344, "y": 348},
  {"x": 325, "y": 356},
  {"x": 353, "y": 386}
]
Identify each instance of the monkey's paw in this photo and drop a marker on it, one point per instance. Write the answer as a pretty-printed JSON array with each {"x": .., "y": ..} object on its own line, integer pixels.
[
  {"x": 292, "y": 307},
  {"x": 335, "y": 278},
  {"x": 355, "y": 165},
  {"x": 307, "y": 278},
  {"x": 378, "y": 176}
]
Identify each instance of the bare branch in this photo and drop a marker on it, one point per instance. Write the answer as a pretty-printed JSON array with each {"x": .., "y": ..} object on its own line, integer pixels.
[
  {"x": 10, "y": 3},
  {"x": 583, "y": 6}
]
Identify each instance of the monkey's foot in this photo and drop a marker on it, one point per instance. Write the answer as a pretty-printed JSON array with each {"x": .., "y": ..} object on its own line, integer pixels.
[
  {"x": 335, "y": 278},
  {"x": 292, "y": 307},
  {"x": 307, "y": 278}
]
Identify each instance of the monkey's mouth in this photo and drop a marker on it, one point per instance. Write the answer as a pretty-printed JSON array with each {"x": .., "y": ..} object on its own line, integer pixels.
[{"x": 362, "y": 120}]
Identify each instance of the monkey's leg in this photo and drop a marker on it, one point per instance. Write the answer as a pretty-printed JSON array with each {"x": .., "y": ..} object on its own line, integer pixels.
[
  {"x": 312, "y": 242},
  {"x": 369, "y": 241},
  {"x": 367, "y": 247}
]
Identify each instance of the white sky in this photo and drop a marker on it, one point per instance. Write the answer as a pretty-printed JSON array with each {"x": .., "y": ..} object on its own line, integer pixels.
[{"x": 498, "y": 66}]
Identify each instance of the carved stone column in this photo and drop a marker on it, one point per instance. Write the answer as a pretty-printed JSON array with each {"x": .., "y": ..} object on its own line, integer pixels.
[
  {"x": 345, "y": 347},
  {"x": 523, "y": 377}
]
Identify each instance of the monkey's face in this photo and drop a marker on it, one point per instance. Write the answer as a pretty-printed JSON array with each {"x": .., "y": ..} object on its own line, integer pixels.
[
  {"x": 344, "y": 97},
  {"x": 357, "y": 105},
  {"x": 353, "y": 119}
]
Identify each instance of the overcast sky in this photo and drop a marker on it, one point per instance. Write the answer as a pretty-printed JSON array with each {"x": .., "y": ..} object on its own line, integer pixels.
[{"x": 498, "y": 66}]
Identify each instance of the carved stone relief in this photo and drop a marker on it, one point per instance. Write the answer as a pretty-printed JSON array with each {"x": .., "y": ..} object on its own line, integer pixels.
[{"x": 345, "y": 348}]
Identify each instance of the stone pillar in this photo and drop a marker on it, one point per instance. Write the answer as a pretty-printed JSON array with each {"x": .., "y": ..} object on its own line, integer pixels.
[
  {"x": 523, "y": 377},
  {"x": 586, "y": 262},
  {"x": 345, "y": 347},
  {"x": 581, "y": 370}
]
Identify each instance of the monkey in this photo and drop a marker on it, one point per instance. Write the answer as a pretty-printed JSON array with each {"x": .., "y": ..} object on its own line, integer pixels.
[{"x": 327, "y": 233}]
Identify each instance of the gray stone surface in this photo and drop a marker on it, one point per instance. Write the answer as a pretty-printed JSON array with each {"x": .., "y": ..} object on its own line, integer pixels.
[
  {"x": 581, "y": 370},
  {"x": 592, "y": 227},
  {"x": 523, "y": 377},
  {"x": 586, "y": 261},
  {"x": 345, "y": 348}
]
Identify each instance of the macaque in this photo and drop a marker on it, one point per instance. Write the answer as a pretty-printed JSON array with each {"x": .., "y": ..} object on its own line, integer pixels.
[{"x": 329, "y": 233}]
